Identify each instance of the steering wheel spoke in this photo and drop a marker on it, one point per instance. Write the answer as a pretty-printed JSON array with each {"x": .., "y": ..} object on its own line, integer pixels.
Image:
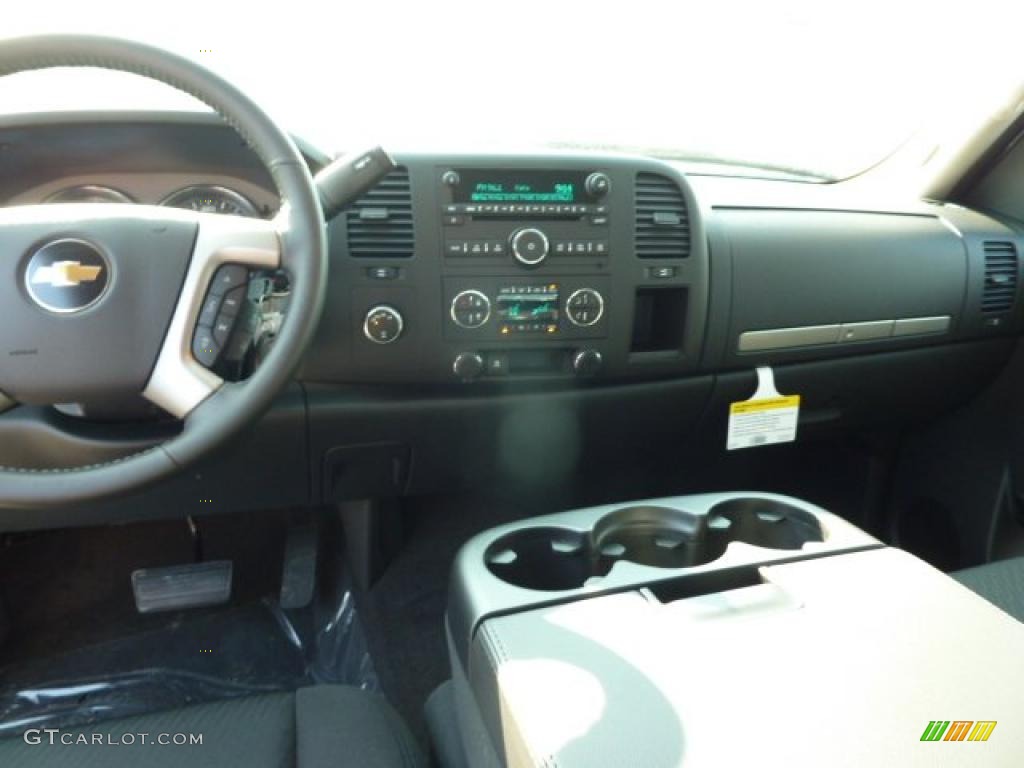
[{"x": 226, "y": 249}]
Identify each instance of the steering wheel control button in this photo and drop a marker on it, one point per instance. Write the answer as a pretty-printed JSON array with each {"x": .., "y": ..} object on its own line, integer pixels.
[
  {"x": 222, "y": 330},
  {"x": 205, "y": 348},
  {"x": 227, "y": 277},
  {"x": 383, "y": 324},
  {"x": 208, "y": 314},
  {"x": 529, "y": 246},
  {"x": 470, "y": 309},
  {"x": 468, "y": 366},
  {"x": 67, "y": 276},
  {"x": 232, "y": 302},
  {"x": 584, "y": 307}
]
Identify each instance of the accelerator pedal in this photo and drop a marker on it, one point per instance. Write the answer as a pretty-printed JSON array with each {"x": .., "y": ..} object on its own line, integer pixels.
[
  {"x": 298, "y": 577},
  {"x": 182, "y": 586}
]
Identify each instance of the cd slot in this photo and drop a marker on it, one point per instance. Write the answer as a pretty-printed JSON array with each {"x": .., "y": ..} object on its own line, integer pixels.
[{"x": 527, "y": 219}]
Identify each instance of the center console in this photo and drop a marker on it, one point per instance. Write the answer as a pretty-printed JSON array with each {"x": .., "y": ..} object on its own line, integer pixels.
[
  {"x": 466, "y": 267},
  {"x": 720, "y": 629}
]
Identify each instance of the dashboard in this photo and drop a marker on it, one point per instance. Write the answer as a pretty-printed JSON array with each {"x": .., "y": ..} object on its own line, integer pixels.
[
  {"x": 547, "y": 268},
  {"x": 478, "y": 303}
]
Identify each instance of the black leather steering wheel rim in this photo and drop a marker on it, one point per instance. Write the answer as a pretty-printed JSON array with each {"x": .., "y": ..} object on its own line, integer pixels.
[{"x": 303, "y": 252}]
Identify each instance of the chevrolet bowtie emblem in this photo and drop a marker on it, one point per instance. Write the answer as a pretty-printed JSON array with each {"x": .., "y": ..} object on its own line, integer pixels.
[{"x": 64, "y": 274}]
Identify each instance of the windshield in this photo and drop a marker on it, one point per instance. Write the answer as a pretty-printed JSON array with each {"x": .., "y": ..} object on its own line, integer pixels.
[{"x": 812, "y": 88}]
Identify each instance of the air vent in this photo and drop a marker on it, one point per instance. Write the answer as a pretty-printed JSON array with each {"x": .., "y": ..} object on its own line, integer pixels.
[
  {"x": 1000, "y": 277},
  {"x": 380, "y": 222},
  {"x": 662, "y": 221}
]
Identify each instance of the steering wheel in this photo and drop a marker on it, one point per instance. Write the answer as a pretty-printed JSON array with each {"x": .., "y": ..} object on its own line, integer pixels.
[{"x": 103, "y": 301}]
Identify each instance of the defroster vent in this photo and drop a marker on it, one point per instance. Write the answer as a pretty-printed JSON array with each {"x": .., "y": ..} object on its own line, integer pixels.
[
  {"x": 380, "y": 222},
  {"x": 662, "y": 220},
  {"x": 1000, "y": 276}
]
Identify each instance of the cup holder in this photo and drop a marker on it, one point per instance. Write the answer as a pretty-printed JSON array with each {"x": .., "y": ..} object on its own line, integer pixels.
[
  {"x": 556, "y": 559},
  {"x": 661, "y": 537},
  {"x": 541, "y": 558},
  {"x": 764, "y": 523}
]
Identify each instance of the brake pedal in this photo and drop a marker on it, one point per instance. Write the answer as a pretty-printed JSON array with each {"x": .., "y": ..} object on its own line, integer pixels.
[{"x": 175, "y": 587}]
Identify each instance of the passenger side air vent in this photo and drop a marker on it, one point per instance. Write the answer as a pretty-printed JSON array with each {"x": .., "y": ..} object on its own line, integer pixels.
[
  {"x": 1000, "y": 277},
  {"x": 662, "y": 221},
  {"x": 380, "y": 222}
]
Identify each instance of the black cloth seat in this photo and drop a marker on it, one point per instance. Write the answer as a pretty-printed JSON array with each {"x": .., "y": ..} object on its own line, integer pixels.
[
  {"x": 1001, "y": 583},
  {"x": 329, "y": 725}
]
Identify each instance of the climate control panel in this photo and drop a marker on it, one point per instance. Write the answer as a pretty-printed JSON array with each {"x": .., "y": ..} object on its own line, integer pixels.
[{"x": 513, "y": 308}]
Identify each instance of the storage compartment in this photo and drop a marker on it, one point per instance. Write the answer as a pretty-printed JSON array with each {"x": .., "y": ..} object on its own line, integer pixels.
[
  {"x": 664, "y": 675},
  {"x": 659, "y": 320},
  {"x": 831, "y": 282}
]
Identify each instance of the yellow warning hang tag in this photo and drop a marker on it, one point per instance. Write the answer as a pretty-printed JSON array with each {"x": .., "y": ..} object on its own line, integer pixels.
[{"x": 767, "y": 418}]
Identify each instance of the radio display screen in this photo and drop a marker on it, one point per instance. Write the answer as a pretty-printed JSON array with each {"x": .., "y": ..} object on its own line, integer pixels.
[
  {"x": 528, "y": 308},
  {"x": 507, "y": 186}
]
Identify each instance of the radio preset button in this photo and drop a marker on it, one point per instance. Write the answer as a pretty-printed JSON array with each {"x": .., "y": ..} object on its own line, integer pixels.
[
  {"x": 470, "y": 309},
  {"x": 584, "y": 307},
  {"x": 474, "y": 248},
  {"x": 581, "y": 247}
]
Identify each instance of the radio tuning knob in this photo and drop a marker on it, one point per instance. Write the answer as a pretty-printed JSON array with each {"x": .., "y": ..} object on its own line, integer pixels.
[
  {"x": 597, "y": 184},
  {"x": 450, "y": 178},
  {"x": 468, "y": 366},
  {"x": 529, "y": 246},
  {"x": 587, "y": 362}
]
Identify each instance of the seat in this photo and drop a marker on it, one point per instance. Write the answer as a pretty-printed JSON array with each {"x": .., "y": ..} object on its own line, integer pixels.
[
  {"x": 329, "y": 725},
  {"x": 1001, "y": 583}
]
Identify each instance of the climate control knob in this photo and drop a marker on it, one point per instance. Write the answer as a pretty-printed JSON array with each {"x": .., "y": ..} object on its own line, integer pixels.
[
  {"x": 468, "y": 366},
  {"x": 584, "y": 307},
  {"x": 587, "y": 362},
  {"x": 470, "y": 309},
  {"x": 529, "y": 246},
  {"x": 383, "y": 324}
]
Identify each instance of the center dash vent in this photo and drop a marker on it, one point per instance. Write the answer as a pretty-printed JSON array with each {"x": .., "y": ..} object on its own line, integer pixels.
[
  {"x": 380, "y": 222},
  {"x": 662, "y": 220},
  {"x": 1000, "y": 276}
]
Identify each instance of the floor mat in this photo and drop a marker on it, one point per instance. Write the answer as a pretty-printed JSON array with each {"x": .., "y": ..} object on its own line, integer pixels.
[
  {"x": 78, "y": 653},
  {"x": 236, "y": 652}
]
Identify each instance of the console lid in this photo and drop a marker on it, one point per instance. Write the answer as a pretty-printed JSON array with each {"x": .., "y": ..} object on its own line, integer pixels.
[{"x": 841, "y": 660}]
